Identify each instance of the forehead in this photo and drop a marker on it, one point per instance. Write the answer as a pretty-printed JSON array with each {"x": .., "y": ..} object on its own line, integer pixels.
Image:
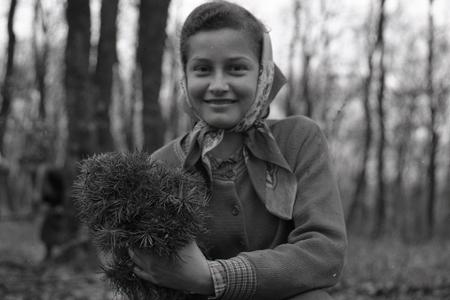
[{"x": 222, "y": 42}]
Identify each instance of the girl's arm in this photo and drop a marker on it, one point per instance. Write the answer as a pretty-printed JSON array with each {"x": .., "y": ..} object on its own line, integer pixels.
[{"x": 314, "y": 255}]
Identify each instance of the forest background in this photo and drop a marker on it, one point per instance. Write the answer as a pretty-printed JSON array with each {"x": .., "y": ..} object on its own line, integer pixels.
[{"x": 80, "y": 77}]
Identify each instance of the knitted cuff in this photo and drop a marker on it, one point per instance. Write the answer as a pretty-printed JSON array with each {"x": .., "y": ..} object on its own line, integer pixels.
[
  {"x": 218, "y": 276},
  {"x": 240, "y": 277}
]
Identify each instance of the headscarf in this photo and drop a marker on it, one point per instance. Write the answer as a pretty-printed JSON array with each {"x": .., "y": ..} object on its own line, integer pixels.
[{"x": 270, "y": 174}]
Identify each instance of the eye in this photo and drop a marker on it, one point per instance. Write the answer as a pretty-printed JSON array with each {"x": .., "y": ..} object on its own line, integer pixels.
[
  {"x": 238, "y": 69},
  {"x": 201, "y": 70}
]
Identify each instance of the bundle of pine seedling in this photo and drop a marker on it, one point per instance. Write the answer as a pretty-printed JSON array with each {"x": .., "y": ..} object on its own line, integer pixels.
[{"x": 128, "y": 201}]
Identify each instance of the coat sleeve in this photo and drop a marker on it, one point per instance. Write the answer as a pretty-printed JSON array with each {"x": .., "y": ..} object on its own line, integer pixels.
[{"x": 313, "y": 257}]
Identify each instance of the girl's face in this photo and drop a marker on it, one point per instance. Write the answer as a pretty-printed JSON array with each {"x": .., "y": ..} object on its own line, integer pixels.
[{"x": 222, "y": 73}]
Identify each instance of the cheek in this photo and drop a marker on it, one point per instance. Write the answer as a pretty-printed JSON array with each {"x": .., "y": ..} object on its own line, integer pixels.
[
  {"x": 248, "y": 89},
  {"x": 195, "y": 88}
]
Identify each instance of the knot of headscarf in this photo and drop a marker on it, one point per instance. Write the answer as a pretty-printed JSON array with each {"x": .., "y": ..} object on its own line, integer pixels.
[{"x": 270, "y": 174}]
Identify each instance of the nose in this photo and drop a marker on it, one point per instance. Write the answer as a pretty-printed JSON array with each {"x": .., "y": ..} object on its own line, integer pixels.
[{"x": 218, "y": 84}]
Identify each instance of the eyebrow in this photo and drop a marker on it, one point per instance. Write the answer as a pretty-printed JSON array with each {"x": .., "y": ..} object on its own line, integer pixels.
[{"x": 236, "y": 58}]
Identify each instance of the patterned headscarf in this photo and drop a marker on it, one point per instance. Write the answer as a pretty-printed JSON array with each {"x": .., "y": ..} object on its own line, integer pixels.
[{"x": 269, "y": 172}]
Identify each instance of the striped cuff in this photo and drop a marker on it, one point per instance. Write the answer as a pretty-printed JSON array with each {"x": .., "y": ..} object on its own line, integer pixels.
[
  {"x": 240, "y": 278},
  {"x": 218, "y": 276}
]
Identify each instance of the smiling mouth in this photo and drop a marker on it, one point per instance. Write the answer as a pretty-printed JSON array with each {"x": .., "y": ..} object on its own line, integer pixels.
[{"x": 220, "y": 101}]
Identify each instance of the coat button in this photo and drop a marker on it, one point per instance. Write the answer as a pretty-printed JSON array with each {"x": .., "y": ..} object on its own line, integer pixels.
[
  {"x": 235, "y": 210},
  {"x": 230, "y": 174}
]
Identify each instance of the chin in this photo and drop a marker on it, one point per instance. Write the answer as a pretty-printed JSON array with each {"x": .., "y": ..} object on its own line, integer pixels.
[{"x": 221, "y": 124}]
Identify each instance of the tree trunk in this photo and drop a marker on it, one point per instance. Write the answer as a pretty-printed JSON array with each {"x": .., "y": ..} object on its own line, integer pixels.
[
  {"x": 380, "y": 200},
  {"x": 152, "y": 36},
  {"x": 79, "y": 106},
  {"x": 291, "y": 95},
  {"x": 80, "y": 140},
  {"x": 434, "y": 137},
  {"x": 174, "y": 108},
  {"x": 327, "y": 89},
  {"x": 40, "y": 51},
  {"x": 131, "y": 125},
  {"x": 405, "y": 129},
  {"x": 306, "y": 94},
  {"x": 103, "y": 78},
  {"x": 357, "y": 211},
  {"x": 445, "y": 230},
  {"x": 7, "y": 83}
]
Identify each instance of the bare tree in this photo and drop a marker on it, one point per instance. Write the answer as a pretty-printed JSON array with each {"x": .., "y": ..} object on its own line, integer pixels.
[
  {"x": 445, "y": 229},
  {"x": 305, "y": 80},
  {"x": 6, "y": 93},
  {"x": 152, "y": 36},
  {"x": 309, "y": 43},
  {"x": 403, "y": 130},
  {"x": 291, "y": 95},
  {"x": 80, "y": 141},
  {"x": 356, "y": 210},
  {"x": 79, "y": 107},
  {"x": 380, "y": 208},
  {"x": 40, "y": 51},
  {"x": 7, "y": 82},
  {"x": 103, "y": 78},
  {"x": 174, "y": 110},
  {"x": 78, "y": 100},
  {"x": 328, "y": 80},
  {"x": 132, "y": 129},
  {"x": 434, "y": 137}
]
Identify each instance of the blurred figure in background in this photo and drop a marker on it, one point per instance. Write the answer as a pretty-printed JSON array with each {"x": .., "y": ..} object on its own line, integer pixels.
[{"x": 57, "y": 227}]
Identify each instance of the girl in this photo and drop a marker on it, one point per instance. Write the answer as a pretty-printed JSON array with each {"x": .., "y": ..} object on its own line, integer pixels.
[{"x": 276, "y": 229}]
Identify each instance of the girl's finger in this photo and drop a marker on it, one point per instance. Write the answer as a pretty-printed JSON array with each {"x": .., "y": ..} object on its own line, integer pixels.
[
  {"x": 135, "y": 258},
  {"x": 143, "y": 275}
]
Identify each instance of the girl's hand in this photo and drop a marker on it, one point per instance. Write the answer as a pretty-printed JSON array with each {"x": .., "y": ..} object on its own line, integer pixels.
[{"x": 190, "y": 273}]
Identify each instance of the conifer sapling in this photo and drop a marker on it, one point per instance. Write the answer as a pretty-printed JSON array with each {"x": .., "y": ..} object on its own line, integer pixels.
[{"x": 129, "y": 201}]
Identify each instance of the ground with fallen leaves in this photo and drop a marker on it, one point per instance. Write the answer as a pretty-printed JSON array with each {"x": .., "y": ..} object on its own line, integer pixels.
[{"x": 382, "y": 269}]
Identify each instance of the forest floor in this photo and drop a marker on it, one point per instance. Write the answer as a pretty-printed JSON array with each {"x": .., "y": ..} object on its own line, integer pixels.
[{"x": 382, "y": 269}]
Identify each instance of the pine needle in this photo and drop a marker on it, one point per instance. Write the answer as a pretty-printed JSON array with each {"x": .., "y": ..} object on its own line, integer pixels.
[{"x": 129, "y": 201}]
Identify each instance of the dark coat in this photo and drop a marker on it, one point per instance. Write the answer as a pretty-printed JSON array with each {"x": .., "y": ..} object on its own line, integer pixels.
[{"x": 289, "y": 257}]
